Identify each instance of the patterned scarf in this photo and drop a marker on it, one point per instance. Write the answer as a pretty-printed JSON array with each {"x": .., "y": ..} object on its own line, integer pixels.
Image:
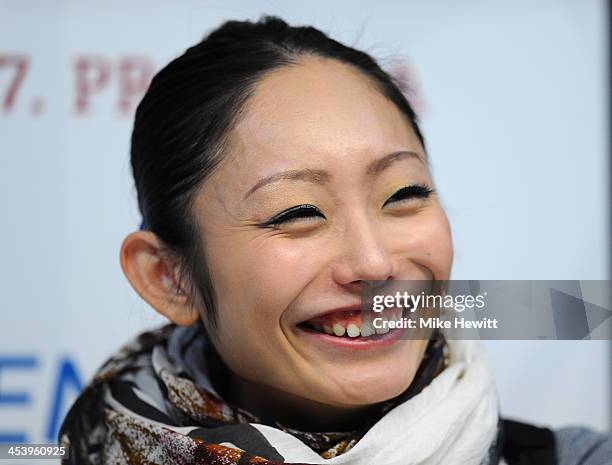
[{"x": 154, "y": 402}]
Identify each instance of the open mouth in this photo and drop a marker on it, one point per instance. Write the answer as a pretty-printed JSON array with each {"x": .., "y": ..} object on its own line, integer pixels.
[{"x": 350, "y": 324}]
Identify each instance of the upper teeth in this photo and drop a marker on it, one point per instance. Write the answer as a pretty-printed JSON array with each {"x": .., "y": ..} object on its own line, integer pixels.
[
  {"x": 339, "y": 330},
  {"x": 383, "y": 330},
  {"x": 352, "y": 330},
  {"x": 367, "y": 330}
]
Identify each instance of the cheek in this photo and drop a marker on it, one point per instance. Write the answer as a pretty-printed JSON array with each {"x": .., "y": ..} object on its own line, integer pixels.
[
  {"x": 254, "y": 281},
  {"x": 426, "y": 239},
  {"x": 260, "y": 278},
  {"x": 279, "y": 270},
  {"x": 438, "y": 242}
]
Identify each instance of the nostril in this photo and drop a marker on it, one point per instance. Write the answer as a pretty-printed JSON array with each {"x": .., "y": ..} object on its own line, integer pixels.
[{"x": 376, "y": 284}]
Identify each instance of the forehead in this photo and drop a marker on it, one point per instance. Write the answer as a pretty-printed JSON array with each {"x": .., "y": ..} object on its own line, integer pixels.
[{"x": 317, "y": 112}]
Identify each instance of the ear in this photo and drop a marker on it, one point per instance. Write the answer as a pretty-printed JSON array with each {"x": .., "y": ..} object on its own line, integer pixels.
[{"x": 154, "y": 277}]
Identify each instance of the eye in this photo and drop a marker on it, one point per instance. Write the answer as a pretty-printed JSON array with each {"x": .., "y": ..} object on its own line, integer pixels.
[
  {"x": 294, "y": 214},
  {"x": 414, "y": 191}
]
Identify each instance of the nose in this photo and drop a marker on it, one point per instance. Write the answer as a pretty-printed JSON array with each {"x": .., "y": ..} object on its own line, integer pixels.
[{"x": 362, "y": 255}]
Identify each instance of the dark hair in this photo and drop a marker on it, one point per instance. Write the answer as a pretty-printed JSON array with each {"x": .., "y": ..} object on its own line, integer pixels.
[{"x": 181, "y": 126}]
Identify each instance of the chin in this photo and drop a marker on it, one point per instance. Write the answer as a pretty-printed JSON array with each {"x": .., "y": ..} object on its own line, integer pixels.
[{"x": 366, "y": 390}]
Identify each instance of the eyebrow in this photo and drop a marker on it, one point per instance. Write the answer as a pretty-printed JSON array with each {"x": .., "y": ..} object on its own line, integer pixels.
[
  {"x": 321, "y": 177},
  {"x": 378, "y": 166}
]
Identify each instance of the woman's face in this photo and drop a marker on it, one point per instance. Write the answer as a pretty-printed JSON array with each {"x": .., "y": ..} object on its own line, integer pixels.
[{"x": 306, "y": 206}]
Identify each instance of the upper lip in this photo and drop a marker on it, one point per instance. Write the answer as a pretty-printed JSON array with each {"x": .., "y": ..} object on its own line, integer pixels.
[{"x": 346, "y": 308}]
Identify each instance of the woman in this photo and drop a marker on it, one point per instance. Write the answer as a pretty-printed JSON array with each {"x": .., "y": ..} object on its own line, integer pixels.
[{"x": 277, "y": 172}]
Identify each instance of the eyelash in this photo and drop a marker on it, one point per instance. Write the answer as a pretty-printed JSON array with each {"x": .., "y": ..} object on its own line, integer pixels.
[
  {"x": 299, "y": 211},
  {"x": 420, "y": 191}
]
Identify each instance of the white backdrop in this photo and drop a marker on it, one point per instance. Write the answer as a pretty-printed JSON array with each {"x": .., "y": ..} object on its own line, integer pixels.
[{"x": 513, "y": 100}]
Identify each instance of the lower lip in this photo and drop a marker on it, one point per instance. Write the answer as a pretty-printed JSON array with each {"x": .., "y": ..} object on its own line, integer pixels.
[{"x": 357, "y": 343}]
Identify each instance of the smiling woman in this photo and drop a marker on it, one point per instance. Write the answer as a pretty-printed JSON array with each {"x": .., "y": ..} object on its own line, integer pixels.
[
  {"x": 337, "y": 182},
  {"x": 278, "y": 171}
]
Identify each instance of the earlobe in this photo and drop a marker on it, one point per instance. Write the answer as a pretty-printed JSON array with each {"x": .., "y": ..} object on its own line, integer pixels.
[{"x": 150, "y": 271}]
